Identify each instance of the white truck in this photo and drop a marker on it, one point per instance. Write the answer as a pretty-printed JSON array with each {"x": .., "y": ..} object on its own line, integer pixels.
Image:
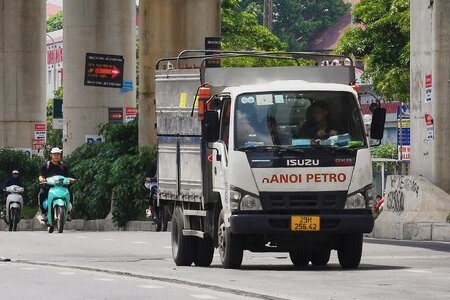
[{"x": 264, "y": 159}]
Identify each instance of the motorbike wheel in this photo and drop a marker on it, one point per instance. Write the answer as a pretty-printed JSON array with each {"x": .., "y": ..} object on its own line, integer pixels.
[
  {"x": 60, "y": 216},
  {"x": 15, "y": 218},
  {"x": 165, "y": 217},
  {"x": 50, "y": 229}
]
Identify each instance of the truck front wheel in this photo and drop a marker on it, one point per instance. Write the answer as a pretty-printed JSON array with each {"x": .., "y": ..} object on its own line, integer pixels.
[
  {"x": 183, "y": 247},
  {"x": 350, "y": 250},
  {"x": 230, "y": 246}
]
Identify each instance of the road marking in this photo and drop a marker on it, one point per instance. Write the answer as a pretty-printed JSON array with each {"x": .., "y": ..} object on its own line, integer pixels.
[
  {"x": 419, "y": 271},
  {"x": 203, "y": 296},
  {"x": 108, "y": 240},
  {"x": 150, "y": 286},
  {"x": 82, "y": 237},
  {"x": 28, "y": 268},
  {"x": 104, "y": 279},
  {"x": 66, "y": 273},
  {"x": 139, "y": 242},
  {"x": 167, "y": 247}
]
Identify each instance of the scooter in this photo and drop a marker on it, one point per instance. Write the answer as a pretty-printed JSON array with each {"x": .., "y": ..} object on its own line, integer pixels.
[
  {"x": 161, "y": 214},
  {"x": 57, "y": 203},
  {"x": 14, "y": 205}
]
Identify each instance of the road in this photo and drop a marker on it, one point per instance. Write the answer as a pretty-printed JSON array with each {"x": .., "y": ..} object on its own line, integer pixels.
[{"x": 138, "y": 265}]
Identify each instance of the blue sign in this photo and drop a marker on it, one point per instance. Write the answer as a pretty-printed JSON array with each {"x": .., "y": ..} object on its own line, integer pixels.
[
  {"x": 127, "y": 86},
  {"x": 403, "y": 126}
]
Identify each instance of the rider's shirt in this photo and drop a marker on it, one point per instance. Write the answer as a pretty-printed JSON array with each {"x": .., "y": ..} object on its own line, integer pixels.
[{"x": 49, "y": 169}]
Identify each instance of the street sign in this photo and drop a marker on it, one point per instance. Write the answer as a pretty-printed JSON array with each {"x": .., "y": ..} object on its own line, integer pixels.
[
  {"x": 127, "y": 86},
  {"x": 104, "y": 70},
  {"x": 58, "y": 124},
  {"x": 37, "y": 144},
  {"x": 40, "y": 131},
  {"x": 404, "y": 152},
  {"x": 212, "y": 43},
  {"x": 403, "y": 126},
  {"x": 130, "y": 114},
  {"x": 90, "y": 139},
  {"x": 428, "y": 87},
  {"x": 115, "y": 115}
]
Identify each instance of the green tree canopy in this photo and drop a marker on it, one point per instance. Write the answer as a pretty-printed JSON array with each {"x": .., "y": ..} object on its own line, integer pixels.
[
  {"x": 383, "y": 42},
  {"x": 295, "y": 22},
  {"x": 55, "y": 22}
]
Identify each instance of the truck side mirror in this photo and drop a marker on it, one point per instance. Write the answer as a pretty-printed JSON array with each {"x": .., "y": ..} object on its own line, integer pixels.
[
  {"x": 212, "y": 126},
  {"x": 377, "y": 126}
]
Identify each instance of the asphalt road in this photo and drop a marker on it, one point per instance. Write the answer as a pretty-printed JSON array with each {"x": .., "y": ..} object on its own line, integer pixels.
[{"x": 138, "y": 265}]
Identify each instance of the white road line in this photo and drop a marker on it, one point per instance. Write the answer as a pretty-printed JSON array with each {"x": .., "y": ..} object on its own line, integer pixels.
[
  {"x": 104, "y": 279},
  {"x": 66, "y": 273},
  {"x": 108, "y": 240},
  {"x": 150, "y": 286},
  {"x": 28, "y": 268},
  {"x": 138, "y": 242},
  {"x": 203, "y": 296},
  {"x": 82, "y": 237},
  {"x": 167, "y": 247},
  {"x": 419, "y": 271}
]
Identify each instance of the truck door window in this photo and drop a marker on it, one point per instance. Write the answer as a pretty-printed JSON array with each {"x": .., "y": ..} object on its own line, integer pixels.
[{"x": 225, "y": 122}]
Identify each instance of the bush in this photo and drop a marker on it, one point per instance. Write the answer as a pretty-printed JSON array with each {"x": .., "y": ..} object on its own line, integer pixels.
[
  {"x": 385, "y": 151},
  {"x": 28, "y": 168},
  {"x": 113, "y": 170}
]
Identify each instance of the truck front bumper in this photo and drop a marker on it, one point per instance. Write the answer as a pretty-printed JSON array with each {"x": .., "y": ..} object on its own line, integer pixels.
[{"x": 280, "y": 224}]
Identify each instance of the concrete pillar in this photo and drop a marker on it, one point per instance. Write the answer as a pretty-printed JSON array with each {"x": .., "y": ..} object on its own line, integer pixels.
[
  {"x": 441, "y": 94},
  {"x": 421, "y": 65},
  {"x": 165, "y": 29},
  {"x": 95, "y": 26},
  {"x": 22, "y": 71}
]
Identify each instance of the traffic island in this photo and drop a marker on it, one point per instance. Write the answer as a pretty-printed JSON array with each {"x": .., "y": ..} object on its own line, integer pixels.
[{"x": 415, "y": 209}]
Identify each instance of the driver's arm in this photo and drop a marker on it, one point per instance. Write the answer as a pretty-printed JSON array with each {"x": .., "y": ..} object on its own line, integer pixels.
[{"x": 42, "y": 179}]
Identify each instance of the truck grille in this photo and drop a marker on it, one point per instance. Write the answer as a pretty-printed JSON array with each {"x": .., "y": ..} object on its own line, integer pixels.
[{"x": 308, "y": 201}]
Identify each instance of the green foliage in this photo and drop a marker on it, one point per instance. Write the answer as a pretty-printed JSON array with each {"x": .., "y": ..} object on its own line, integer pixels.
[
  {"x": 112, "y": 170},
  {"x": 28, "y": 168},
  {"x": 295, "y": 22},
  {"x": 383, "y": 41},
  {"x": 385, "y": 151},
  {"x": 241, "y": 31},
  {"x": 55, "y": 22}
]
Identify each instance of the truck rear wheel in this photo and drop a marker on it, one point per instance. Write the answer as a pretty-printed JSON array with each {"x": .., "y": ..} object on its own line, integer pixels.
[
  {"x": 183, "y": 247},
  {"x": 205, "y": 252},
  {"x": 230, "y": 246},
  {"x": 320, "y": 258},
  {"x": 350, "y": 250},
  {"x": 299, "y": 258}
]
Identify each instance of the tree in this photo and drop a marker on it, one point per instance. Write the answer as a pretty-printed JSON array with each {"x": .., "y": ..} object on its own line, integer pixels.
[
  {"x": 295, "y": 22},
  {"x": 383, "y": 42},
  {"x": 55, "y": 22}
]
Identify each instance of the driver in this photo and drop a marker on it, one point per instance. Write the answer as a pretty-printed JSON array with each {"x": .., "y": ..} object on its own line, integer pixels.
[
  {"x": 52, "y": 167},
  {"x": 318, "y": 124}
]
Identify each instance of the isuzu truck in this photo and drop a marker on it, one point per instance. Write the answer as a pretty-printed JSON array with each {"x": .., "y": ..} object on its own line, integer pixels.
[{"x": 265, "y": 159}]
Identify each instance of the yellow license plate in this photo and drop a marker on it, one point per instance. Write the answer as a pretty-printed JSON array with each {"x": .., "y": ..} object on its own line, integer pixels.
[{"x": 305, "y": 223}]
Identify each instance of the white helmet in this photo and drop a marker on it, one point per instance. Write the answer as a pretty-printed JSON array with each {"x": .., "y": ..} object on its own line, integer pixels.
[{"x": 55, "y": 150}]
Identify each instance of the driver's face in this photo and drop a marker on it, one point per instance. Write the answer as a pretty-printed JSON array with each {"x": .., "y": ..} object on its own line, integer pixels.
[{"x": 319, "y": 114}]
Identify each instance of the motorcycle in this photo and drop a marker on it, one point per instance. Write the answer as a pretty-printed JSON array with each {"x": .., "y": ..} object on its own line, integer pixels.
[
  {"x": 14, "y": 205},
  {"x": 161, "y": 214},
  {"x": 57, "y": 203}
]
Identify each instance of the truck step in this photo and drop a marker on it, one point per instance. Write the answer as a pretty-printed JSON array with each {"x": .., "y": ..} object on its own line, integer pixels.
[
  {"x": 191, "y": 212},
  {"x": 190, "y": 232}
]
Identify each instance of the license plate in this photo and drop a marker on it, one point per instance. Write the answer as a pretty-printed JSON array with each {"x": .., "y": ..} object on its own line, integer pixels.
[{"x": 305, "y": 223}]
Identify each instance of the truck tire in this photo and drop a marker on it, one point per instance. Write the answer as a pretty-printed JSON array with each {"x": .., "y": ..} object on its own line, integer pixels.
[
  {"x": 350, "y": 250},
  {"x": 300, "y": 258},
  {"x": 320, "y": 258},
  {"x": 230, "y": 246},
  {"x": 183, "y": 247},
  {"x": 205, "y": 252}
]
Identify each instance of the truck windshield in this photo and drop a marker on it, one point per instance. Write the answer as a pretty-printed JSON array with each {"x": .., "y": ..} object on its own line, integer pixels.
[{"x": 298, "y": 119}]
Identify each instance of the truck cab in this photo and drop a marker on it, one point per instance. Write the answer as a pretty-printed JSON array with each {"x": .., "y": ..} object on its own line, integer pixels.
[{"x": 282, "y": 163}]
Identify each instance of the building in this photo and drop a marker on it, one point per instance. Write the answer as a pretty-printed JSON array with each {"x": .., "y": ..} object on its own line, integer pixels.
[{"x": 54, "y": 59}]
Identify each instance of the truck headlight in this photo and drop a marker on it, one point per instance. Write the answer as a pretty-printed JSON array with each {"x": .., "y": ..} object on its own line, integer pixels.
[
  {"x": 250, "y": 203},
  {"x": 355, "y": 201},
  {"x": 243, "y": 200}
]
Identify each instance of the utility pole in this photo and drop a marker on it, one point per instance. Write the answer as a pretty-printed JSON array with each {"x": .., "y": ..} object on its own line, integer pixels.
[
  {"x": 268, "y": 14},
  {"x": 440, "y": 93}
]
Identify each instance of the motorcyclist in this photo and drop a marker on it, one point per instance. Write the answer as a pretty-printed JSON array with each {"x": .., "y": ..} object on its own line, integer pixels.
[
  {"x": 13, "y": 180},
  {"x": 52, "y": 167}
]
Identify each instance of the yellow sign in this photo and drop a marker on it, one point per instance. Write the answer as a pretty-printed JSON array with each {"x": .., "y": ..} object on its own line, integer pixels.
[{"x": 183, "y": 100}]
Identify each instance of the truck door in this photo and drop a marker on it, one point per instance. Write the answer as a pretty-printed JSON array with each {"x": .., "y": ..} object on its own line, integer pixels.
[{"x": 220, "y": 152}]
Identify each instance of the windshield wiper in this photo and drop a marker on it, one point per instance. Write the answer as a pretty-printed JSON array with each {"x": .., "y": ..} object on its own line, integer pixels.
[{"x": 258, "y": 148}]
